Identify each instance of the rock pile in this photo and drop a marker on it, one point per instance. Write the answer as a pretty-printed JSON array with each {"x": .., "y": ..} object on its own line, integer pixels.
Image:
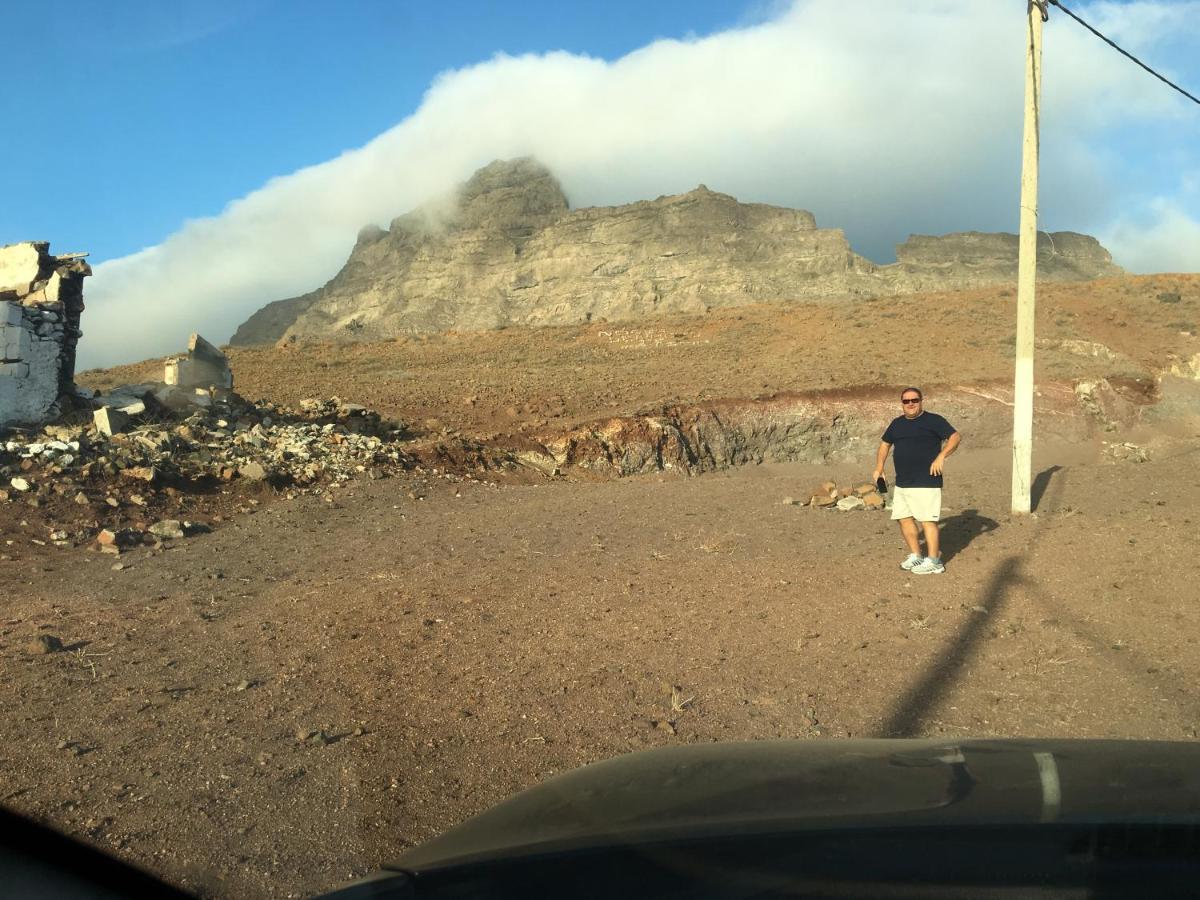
[
  {"x": 828, "y": 495},
  {"x": 160, "y": 449},
  {"x": 1126, "y": 452}
]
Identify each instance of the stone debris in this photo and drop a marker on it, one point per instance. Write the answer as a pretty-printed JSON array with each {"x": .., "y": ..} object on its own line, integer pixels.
[
  {"x": 252, "y": 471},
  {"x": 118, "y": 539},
  {"x": 167, "y": 528},
  {"x": 1126, "y": 452},
  {"x": 148, "y": 444},
  {"x": 828, "y": 495},
  {"x": 174, "y": 529},
  {"x": 110, "y": 421}
]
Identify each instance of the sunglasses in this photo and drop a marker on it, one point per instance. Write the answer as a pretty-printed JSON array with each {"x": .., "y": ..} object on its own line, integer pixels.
[{"x": 909, "y": 400}]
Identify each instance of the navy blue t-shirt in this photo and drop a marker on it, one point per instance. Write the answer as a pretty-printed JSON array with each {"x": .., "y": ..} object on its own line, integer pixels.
[{"x": 916, "y": 442}]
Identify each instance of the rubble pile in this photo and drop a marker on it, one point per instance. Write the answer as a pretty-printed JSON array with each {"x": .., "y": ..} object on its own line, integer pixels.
[
  {"x": 828, "y": 495},
  {"x": 147, "y": 453},
  {"x": 1126, "y": 452},
  {"x": 229, "y": 439}
]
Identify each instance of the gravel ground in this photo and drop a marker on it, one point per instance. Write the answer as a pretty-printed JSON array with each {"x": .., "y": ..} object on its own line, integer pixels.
[{"x": 273, "y": 708}]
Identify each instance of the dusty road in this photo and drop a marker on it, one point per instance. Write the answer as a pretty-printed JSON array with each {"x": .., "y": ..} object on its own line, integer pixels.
[{"x": 288, "y": 702}]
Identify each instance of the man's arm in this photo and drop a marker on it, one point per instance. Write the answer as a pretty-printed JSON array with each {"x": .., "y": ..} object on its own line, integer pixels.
[
  {"x": 935, "y": 467},
  {"x": 881, "y": 457}
]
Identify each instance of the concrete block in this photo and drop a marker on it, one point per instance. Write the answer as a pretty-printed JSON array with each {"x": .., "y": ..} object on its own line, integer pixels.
[
  {"x": 10, "y": 314},
  {"x": 110, "y": 421},
  {"x": 205, "y": 366}
]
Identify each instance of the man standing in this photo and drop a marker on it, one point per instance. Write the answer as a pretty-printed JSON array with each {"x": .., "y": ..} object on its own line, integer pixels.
[{"x": 918, "y": 437}]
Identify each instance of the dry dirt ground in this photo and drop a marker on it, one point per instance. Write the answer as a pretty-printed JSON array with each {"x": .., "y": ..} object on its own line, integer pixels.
[{"x": 293, "y": 699}]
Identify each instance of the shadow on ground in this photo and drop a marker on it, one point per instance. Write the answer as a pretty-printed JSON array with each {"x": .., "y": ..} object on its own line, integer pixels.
[
  {"x": 942, "y": 673},
  {"x": 958, "y": 531},
  {"x": 1040, "y": 483}
]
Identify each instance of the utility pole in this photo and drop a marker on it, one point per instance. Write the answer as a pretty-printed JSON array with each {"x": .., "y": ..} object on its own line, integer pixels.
[{"x": 1027, "y": 265}]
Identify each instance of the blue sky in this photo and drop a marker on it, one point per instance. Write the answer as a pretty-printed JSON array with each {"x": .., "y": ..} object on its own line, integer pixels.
[
  {"x": 141, "y": 114},
  {"x": 215, "y": 156}
]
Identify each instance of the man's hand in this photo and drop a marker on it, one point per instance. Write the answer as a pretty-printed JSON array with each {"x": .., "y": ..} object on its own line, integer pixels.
[
  {"x": 935, "y": 467},
  {"x": 877, "y": 474}
]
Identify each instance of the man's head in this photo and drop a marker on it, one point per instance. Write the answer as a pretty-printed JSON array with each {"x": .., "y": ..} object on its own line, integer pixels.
[{"x": 911, "y": 399}]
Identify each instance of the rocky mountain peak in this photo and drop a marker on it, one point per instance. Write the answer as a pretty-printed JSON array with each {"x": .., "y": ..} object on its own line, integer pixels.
[
  {"x": 510, "y": 194},
  {"x": 506, "y": 249}
]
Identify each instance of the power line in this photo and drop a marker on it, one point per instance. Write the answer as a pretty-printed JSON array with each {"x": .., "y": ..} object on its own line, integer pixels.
[{"x": 1119, "y": 50}]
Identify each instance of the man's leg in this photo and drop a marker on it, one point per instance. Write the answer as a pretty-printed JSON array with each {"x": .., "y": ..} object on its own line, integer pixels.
[
  {"x": 933, "y": 547},
  {"x": 908, "y": 530}
]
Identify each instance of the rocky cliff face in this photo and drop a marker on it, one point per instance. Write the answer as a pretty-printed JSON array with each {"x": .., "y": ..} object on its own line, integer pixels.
[
  {"x": 975, "y": 259},
  {"x": 508, "y": 250}
]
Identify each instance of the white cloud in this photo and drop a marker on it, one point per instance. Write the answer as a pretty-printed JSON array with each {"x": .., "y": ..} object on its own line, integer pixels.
[
  {"x": 882, "y": 118},
  {"x": 1168, "y": 240}
]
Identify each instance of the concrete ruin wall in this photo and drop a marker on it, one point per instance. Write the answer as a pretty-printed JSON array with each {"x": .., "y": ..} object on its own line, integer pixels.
[{"x": 41, "y": 301}]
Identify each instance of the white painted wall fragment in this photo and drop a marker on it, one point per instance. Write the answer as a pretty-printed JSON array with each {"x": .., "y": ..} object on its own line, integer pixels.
[{"x": 204, "y": 367}]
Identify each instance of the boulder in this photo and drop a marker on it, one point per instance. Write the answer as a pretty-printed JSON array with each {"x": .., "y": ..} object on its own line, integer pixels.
[
  {"x": 118, "y": 538},
  {"x": 167, "y": 529},
  {"x": 252, "y": 471}
]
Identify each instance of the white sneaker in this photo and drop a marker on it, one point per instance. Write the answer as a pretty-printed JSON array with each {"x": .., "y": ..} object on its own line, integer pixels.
[
  {"x": 929, "y": 566},
  {"x": 913, "y": 560}
]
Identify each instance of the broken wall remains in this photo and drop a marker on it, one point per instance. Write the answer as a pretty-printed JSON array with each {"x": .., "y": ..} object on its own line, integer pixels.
[{"x": 41, "y": 301}]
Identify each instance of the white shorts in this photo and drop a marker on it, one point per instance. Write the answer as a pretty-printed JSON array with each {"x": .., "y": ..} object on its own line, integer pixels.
[{"x": 921, "y": 503}]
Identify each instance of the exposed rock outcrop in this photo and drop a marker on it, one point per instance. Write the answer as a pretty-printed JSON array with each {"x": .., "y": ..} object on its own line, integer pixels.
[
  {"x": 508, "y": 250},
  {"x": 976, "y": 259}
]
